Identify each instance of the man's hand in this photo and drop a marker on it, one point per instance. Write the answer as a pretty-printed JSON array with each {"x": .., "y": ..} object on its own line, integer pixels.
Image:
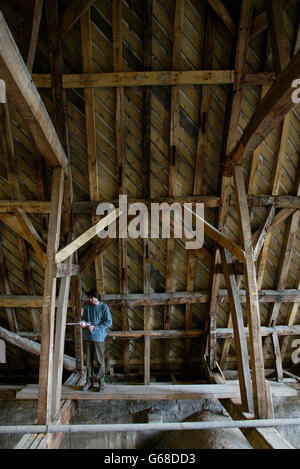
[{"x": 91, "y": 328}]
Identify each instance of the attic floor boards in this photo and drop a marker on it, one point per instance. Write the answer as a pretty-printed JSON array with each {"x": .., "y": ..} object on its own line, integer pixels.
[{"x": 156, "y": 392}]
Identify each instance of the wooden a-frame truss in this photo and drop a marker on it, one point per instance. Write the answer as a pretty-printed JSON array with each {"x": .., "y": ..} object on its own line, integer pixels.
[{"x": 234, "y": 260}]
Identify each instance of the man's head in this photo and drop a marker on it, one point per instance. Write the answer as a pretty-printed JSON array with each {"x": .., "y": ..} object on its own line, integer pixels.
[{"x": 94, "y": 296}]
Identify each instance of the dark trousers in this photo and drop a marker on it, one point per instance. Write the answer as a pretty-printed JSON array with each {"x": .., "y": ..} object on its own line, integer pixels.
[{"x": 91, "y": 348}]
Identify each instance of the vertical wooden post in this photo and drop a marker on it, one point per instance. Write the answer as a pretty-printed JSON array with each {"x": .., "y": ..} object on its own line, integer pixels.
[
  {"x": 229, "y": 140},
  {"x": 147, "y": 362},
  {"x": 121, "y": 161},
  {"x": 59, "y": 343},
  {"x": 48, "y": 315},
  {"x": 253, "y": 312},
  {"x": 199, "y": 165},
  {"x": 239, "y": 332},
  {"x": 173, "y": 152},
  {"x": 146, "y": 145}
]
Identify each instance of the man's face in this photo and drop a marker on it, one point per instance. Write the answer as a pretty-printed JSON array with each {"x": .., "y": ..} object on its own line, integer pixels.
[{"x": 94, "y": 301}]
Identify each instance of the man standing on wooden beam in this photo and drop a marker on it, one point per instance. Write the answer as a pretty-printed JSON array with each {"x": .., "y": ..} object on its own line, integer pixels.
[{"x": 96, "y": 319}]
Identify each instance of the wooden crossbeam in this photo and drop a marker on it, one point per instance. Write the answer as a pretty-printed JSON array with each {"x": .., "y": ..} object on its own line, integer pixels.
[
  {"x": 282, "y": 201},
  {"x": 221, "y": 10},
  {"x": 23, "y": 93},
  {"x": 31, "y": 235},
  {"x": 35, "y": 21},
  {"x": 260, "y": 24},
  {"x": 152, "y": 78},
  {"x": 140, "y": 299},
  {"x": 72, "y": 14},
  {"x": 82, "y": 239},
  {"x": 219, "y": 238},
  {"x": 157, "y": 392}
]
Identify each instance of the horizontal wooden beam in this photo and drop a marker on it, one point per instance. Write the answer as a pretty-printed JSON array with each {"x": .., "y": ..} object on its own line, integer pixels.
[
  {"x": 156, "y": 299},
  {"x": 153, "y": 78},
  {"x": 33, "y": 206},
  {"x": 23, "y": 93},
  {"x": 157, "y": 392},
  {"x": 288, "y": 202},
  {"x": 221, "y": 333}
]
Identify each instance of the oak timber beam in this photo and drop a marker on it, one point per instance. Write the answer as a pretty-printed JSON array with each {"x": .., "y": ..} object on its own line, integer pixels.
[
  {"x": 89, "y": 98},
  {"x": 34, "y": 32},
  {"x": 279, "y": 201},
  {"x": 253, "y": 312},
  {"x": 155, "y": 299},
  {"x": 31, "y": 235},
  {"x": 117, "y": 14},
  {"x": 219, "y": 238},
  {"x": 152, "y": 78},
  {"x": 200, "y": 157},
  {"x": 221, "y": 10},
  {"x": 230, "y": 135},
  {"x": 146, "y": 151},
  {"x": 239, "y": 333},
  {"x": 23, "y": 93},
  {"x": 170, "y": 285},
  {"x": 73, "y": 13},
  {"x": 82, "y": 239},
  {"x": 59, "y": 341},
  {"x": 48, "y": 314},
  {"x": 31, "y": 346}
]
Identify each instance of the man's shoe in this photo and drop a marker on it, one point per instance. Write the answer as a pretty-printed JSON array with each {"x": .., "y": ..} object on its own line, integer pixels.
[
  {"x": 101, "y": 387},
  {"x": 87, "y": 386}
]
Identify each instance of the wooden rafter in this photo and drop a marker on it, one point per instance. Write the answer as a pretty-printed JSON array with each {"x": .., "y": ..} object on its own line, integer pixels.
[
  {"x": 271, "y": 111},
  {"x": 75, "y": 10},
  {"x": 23, "y": 93},
  {"x": 34, "y": 21}
]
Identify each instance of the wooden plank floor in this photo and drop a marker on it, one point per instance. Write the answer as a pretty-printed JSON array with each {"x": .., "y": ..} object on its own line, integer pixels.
[{"x": 155, "y": 392}]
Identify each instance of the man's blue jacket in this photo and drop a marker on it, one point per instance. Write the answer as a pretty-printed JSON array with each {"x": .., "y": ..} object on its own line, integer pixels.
[{"x": 100, "y": 317}]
